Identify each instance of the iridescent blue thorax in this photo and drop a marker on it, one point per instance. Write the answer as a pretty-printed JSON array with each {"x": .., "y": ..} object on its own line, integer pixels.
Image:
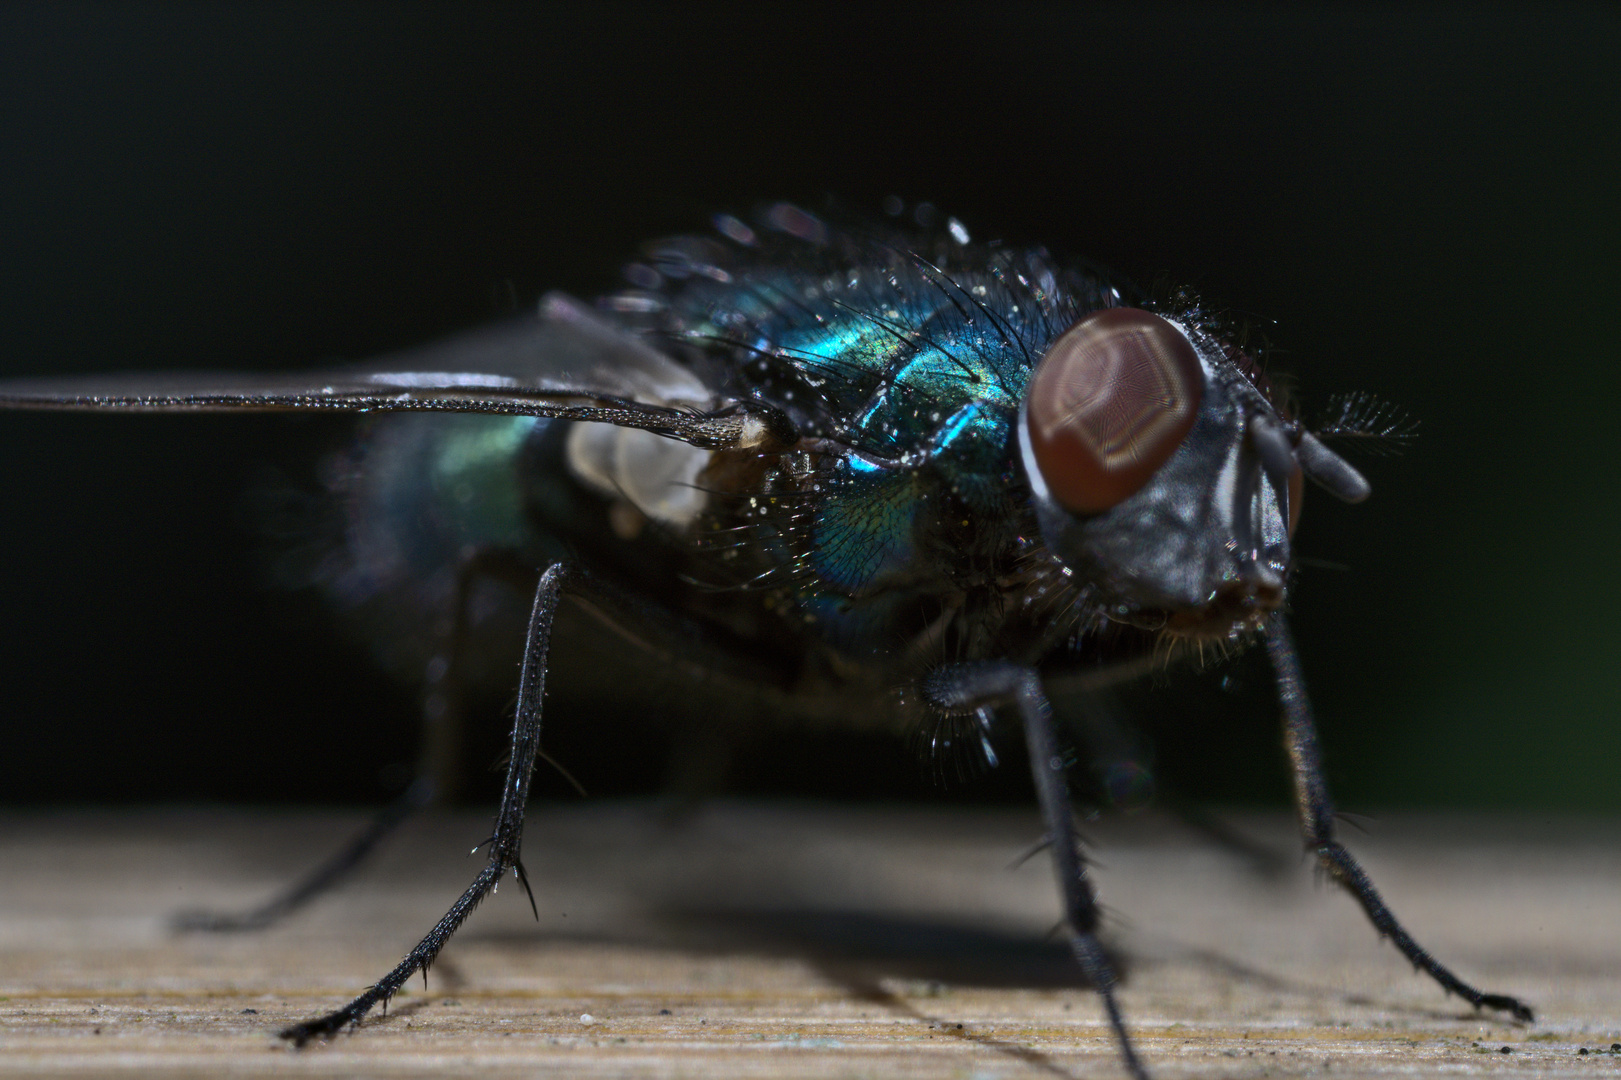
[{"x": 903, "y": 368}]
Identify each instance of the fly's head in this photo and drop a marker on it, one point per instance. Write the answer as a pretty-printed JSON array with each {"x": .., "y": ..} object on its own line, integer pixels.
[{"x": 1165, "y": 476}]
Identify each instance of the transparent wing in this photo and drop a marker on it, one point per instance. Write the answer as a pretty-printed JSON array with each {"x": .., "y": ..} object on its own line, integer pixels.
[{"x": 563, "y": 361}]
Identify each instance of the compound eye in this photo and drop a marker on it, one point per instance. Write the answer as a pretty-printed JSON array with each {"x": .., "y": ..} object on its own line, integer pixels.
[{"x": 1110, "y": 402}]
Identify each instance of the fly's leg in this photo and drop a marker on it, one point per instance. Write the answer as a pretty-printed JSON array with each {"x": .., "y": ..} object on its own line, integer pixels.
[
  {"x": 505, "y": 844},
  {"x": 438, "y": 768},
  {"x": 1316, "y": 810},
  {"x": 323, "y": 878},
  {"x": 602, "y": 599},
  {"x": 439, "y": 759},
  {"x": 968, "y": 686}
]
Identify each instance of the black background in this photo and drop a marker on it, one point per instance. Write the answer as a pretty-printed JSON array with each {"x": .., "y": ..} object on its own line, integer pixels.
[{"x": 1422, "y": 203}]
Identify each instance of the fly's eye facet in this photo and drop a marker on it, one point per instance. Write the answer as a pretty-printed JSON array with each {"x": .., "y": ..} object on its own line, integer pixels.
[{"x": 1110, "y": 402}]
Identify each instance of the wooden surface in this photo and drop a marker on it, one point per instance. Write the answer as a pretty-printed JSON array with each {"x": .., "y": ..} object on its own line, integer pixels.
[{"x": 767, "y": 940}]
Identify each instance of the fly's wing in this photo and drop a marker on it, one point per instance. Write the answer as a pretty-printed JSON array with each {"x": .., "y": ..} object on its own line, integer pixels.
[{"x": 564, "y": 362}]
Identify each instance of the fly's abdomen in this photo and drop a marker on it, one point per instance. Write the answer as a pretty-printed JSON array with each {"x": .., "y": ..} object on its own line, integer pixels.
[
  {"x": 423, "y": 490},
  {"x": 419, "y": 495}
]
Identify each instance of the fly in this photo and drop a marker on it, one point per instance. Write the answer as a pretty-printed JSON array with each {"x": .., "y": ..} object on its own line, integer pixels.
[{"x": 824, "y": 464}]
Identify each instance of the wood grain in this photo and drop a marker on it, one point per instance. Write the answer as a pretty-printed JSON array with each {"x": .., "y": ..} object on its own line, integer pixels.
[{"x": 768, "y": 940}]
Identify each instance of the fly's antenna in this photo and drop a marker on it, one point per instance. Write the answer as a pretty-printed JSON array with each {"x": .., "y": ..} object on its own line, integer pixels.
[{"x": 1369, "y": 421}]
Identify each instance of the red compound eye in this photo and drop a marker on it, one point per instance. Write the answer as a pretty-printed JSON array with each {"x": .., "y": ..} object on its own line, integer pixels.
[{"x": 1113, "y": 398}]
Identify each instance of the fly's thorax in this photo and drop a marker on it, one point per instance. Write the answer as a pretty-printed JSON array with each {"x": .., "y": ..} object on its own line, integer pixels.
[{"x": 1200, "y": 547}]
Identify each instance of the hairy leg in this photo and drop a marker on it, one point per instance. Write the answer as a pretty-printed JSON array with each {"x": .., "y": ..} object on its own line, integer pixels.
[
  {"x": 507, "y": 840},
  {"x": 657, "y": 630},
  {"x": 968, "y": 686},
  {"x": 1316, "y": 810}
]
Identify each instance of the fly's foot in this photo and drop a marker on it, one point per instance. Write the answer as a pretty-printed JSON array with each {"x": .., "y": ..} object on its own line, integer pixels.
[
  {"x": 324, "y": 1027},
  {"x": 1511, "y": 1005}
]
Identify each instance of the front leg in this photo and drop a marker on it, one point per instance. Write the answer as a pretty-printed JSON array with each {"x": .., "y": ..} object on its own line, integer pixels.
[
  {"x": 963, "y": 687},
  {"x": 1317, "y": 824}
]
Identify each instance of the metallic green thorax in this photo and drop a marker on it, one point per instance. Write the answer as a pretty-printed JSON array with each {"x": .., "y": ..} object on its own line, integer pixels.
[{"x": 903, "y": 368}]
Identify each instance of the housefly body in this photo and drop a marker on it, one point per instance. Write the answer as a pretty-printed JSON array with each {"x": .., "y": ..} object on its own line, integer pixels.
[{"x": 875, "y": 476}]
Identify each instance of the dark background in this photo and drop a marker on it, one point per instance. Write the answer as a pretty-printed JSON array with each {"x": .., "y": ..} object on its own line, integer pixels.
[{"x": 1422, "y": 203}]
